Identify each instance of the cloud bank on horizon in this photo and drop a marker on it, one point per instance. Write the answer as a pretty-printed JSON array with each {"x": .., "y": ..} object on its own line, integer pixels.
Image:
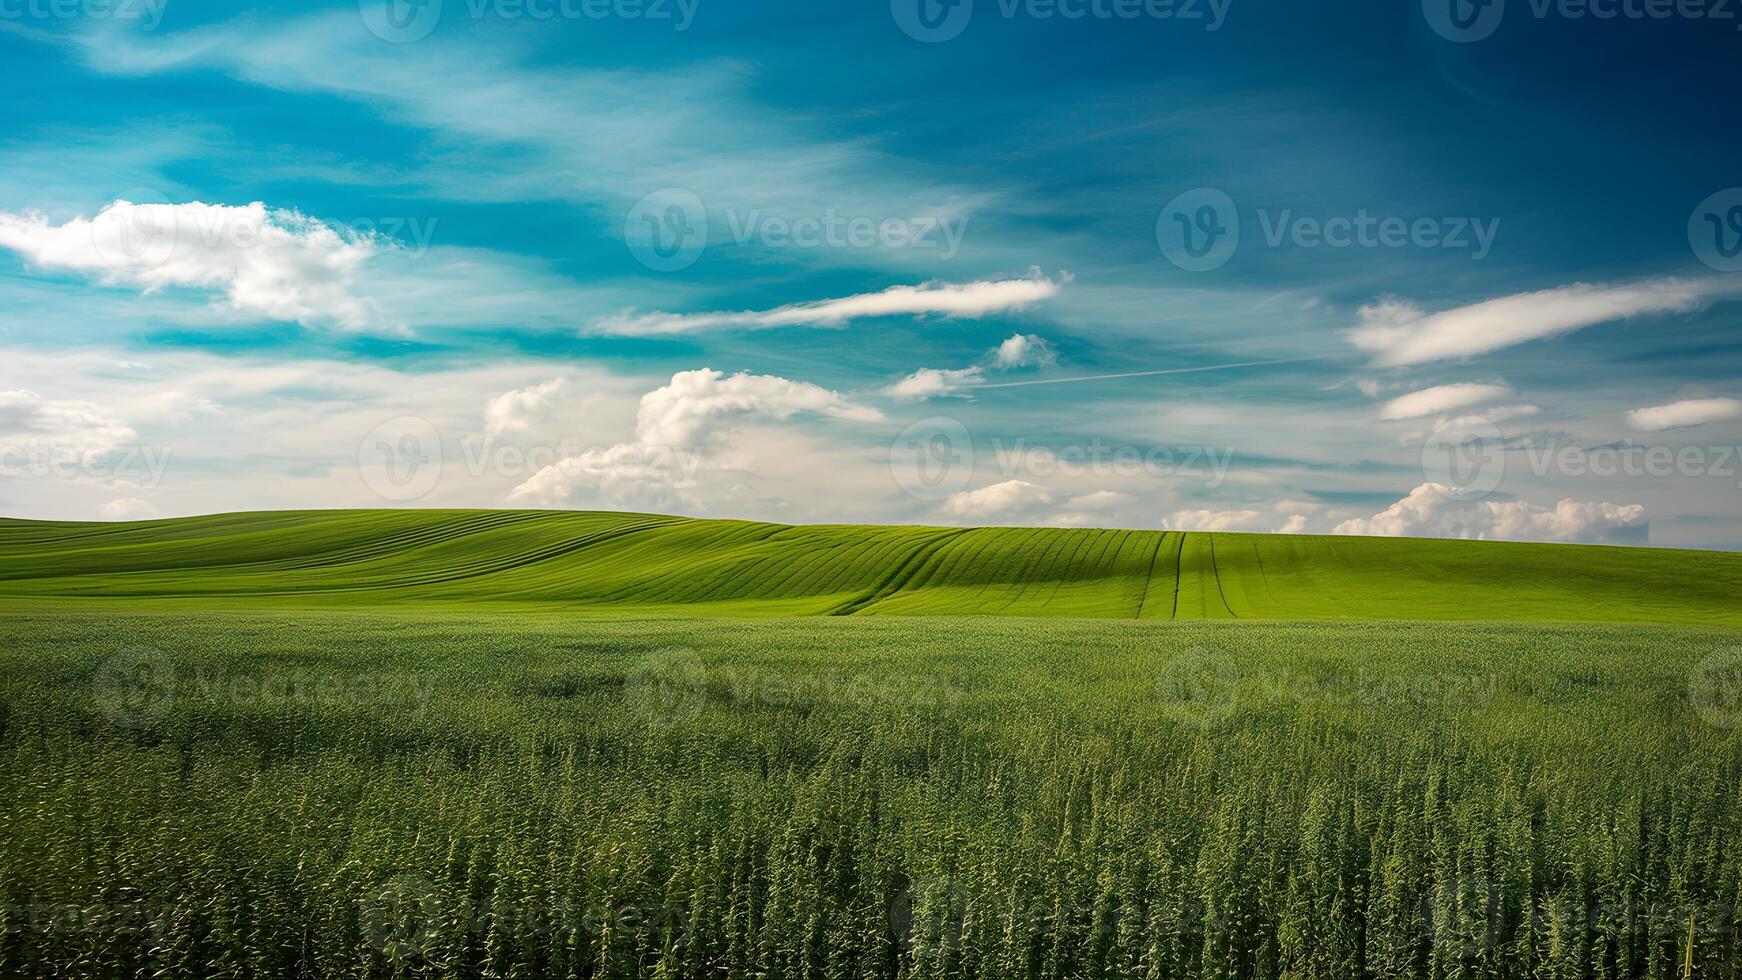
[{"x": 575, "y": 264}]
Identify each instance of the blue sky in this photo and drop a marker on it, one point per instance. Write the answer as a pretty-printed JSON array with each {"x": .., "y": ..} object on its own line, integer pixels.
[{"x": 788, "y": 261}]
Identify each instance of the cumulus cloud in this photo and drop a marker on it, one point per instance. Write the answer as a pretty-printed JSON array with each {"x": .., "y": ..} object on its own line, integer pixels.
[
  {"x": 680, "y": 428},
  {"x": 521, "y": 409},
  {"x": 1018, "y": 501},
  {"x": 1296, "y": 524},
  {"x": 273, "y": 264},
  {"x": 1443, "y": 398},
  {"x": 1015, "y": 352},
  {"x": 1433, "y": 511},
  {"x": 1021, "y": 351},
  {"x": 1684, "y": 414},
  {"x": 967, "y": 300},
  {"x": 1398, "y": 333}
]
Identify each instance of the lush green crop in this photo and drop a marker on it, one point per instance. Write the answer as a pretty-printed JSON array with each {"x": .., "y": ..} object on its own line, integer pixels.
[
  {"x": 609, "y": 562},
  {"x": 299, "y": 793}
]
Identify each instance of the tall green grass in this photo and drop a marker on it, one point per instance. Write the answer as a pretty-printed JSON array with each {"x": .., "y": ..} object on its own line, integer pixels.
[
  {"x": 293, "y": 793},
  {"x": 607, "y": 562}
]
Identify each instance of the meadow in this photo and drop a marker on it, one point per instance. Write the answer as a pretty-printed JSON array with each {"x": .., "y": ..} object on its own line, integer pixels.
[{"x": 210, "y": 767}]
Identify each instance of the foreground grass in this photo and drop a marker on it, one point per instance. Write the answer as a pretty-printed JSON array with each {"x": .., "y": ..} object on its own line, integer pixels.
[
  {"x": 307, "y": 794},
  {"x": 607, "y": 562}
]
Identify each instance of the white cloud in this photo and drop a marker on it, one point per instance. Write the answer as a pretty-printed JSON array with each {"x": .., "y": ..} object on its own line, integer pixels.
[
  {"x": 971, "y": 300},
  {"x": 1012, "y": 497},
  {"x": 125, "y": 509},
  {"x": 1021, "y": 502},
  {"x": 1684, "y": 414},
  {"x": 1023, "y": 350},
  {"x": 934, "y": 383},
  {"x": 1432, "y": 511},
  {"x": 1397, "y": 333},
  {"x": 1211, "y": 520},
  {"x": 689, "y": 410},
  {"x": 1443, "y": 398},
  {"x": 271, "y": 264},
  {"x": 1296, "y": 524},
  {"x": 680, "y": 428},
  {"x": 521, "y": 409},
  {"x": 69, "y": 427},
  {"x": 1016, "y": 351}
]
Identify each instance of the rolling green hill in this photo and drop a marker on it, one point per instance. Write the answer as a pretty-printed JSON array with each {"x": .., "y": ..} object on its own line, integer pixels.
[{"x": 646, "y": 563}]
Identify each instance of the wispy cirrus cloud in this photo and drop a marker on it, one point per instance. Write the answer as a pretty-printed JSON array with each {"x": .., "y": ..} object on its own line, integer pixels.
[
  {"x": 1398, "y": 333},
  {"x": 510, "y": 126},
  {"x": 967, "y": 300}
]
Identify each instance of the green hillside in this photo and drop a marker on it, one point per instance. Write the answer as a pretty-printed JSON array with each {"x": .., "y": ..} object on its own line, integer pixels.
[{"x": 583, "y": 561}]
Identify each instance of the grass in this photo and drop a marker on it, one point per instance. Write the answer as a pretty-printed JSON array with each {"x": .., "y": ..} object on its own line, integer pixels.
[
  {"x": 613, "y": 562},
  {"x": 392, "y": 744}
]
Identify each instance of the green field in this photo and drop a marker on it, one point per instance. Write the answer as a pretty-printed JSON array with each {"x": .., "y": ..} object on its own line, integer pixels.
[
  {"x": 614, "y": 563},
  {"x": 533, "y": 744}
]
